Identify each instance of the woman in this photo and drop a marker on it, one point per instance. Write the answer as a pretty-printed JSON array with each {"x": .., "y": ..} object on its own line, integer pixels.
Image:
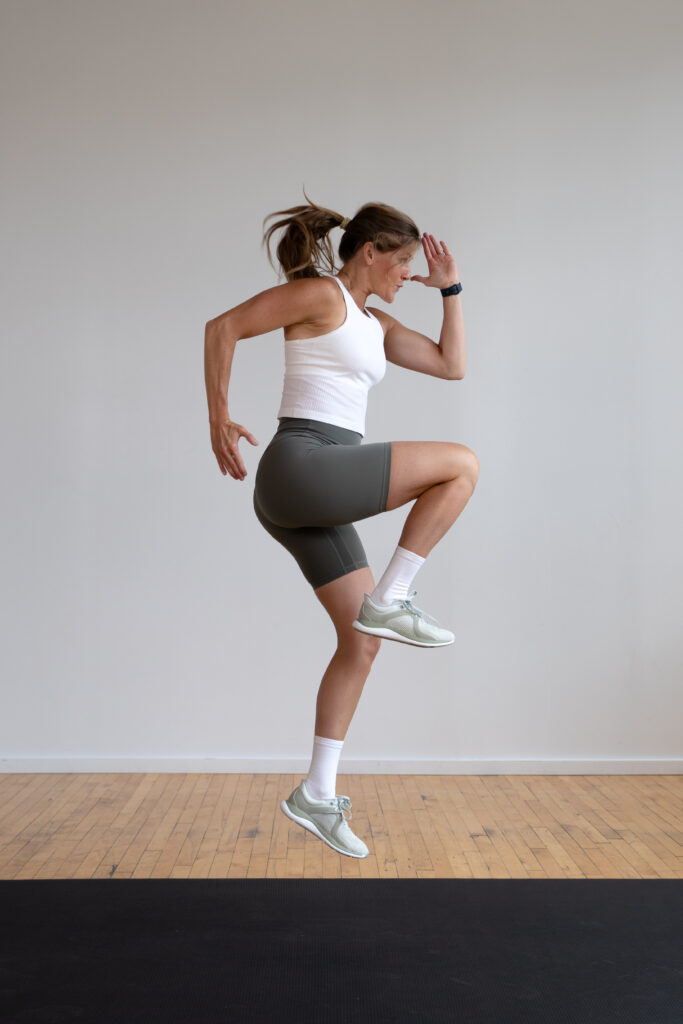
[{"x": 315, "y": 478}]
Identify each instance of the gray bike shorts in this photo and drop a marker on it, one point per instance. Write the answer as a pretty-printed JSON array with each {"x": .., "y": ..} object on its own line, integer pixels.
[{"x": 314, "y": 480}]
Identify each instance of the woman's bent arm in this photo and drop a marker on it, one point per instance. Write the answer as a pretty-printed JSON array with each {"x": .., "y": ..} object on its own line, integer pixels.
[
  {"x": 219, "y": 349},
  {"x": 305, "y": 300},
  {"x": 302, "y": 301}
]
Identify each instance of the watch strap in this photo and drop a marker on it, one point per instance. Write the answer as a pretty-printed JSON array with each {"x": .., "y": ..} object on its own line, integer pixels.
[{"x": 453, "y": 290}]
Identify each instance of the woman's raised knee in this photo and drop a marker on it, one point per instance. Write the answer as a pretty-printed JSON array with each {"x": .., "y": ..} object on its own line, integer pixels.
[
  {"x": 463, "y": 462},
  {"x": 418, "y": 465},
  {"x": 468, "y": 463}
]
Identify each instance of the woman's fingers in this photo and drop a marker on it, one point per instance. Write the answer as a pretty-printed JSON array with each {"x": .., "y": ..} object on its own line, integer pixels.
[
  {"x": 440, "y": 262},
  {"x": 227, "y": 464},
  {"x": 226, "y": 440},
  {"x": 225, "y": 456},
  {"x": 234, "y": 463},
  {"x": 233, "y": 469},
  {"x": 434, "y": 250}
]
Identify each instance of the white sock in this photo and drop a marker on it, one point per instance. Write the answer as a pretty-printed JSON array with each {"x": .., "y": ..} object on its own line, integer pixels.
[
  {"x": 322, "y": 775},
  {"x": 398, "y": 577}
]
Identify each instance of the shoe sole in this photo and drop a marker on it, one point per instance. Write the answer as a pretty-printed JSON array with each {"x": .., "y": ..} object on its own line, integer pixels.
[
  {"x": 311, "y": 826},
  {"x": 390, "y": 634}
]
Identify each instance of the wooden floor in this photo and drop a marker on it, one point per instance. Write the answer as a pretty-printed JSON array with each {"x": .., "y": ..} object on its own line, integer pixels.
[{"x": 416, "y": 826}]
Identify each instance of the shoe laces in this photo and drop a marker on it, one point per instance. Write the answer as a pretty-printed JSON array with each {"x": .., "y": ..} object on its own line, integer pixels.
[
  {"x": 410, "y": 607},
  {"x": 343, "y": 803}
]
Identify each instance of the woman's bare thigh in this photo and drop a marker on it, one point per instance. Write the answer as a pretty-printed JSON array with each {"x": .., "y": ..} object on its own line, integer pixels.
[{"x": 418, "y": 465}]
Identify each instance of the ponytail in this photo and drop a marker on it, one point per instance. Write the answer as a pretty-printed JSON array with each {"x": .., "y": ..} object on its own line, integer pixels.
[{"x": 305, "y": 248}]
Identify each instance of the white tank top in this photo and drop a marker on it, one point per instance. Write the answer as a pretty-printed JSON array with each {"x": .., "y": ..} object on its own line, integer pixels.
[{"x": 328, "y": 377}]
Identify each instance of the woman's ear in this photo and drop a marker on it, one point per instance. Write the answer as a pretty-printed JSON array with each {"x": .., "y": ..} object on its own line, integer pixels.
[{"x": 369, "y": 252}]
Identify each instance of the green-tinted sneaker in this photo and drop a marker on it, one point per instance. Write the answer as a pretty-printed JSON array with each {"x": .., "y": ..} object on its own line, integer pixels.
[
  {"x": 403, "y": 621},
  {"x": 325, "y": 819}
]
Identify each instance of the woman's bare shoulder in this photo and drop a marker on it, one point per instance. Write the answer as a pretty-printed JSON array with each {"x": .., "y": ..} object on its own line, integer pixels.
[
  {"x": 317, "y": 291},
  {"x": 322, "y": 310}
]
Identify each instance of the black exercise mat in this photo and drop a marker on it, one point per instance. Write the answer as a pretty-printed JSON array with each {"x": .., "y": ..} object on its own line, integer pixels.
[{"x": 327, "y": 951}]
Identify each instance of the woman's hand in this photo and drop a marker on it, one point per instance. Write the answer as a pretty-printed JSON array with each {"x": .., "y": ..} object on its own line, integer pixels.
[
  {"x": 443, "y": 271},
  {"x": 225, "y": 435}
]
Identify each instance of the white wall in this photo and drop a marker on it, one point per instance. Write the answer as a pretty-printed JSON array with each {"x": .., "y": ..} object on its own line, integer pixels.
[{"x": 146, "y": 613}]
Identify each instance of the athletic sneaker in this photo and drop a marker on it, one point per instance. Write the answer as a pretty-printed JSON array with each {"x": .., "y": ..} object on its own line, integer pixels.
[
  {"x": 325, "y": 819},
  {"x": 403, "y": 621}
]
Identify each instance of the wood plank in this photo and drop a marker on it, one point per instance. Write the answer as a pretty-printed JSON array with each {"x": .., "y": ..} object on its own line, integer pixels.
[
  {"x": 199, "y": 825},
  {"x": 225, "y": 787},
  {"x": 227, "y": 840}
]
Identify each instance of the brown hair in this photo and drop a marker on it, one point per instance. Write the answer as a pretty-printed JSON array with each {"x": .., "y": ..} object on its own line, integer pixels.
[{"x": 305, "y": 248}]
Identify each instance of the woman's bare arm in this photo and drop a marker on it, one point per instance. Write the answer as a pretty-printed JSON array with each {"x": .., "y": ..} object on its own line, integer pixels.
[
  {"x": 414, "y": 351},
  {"x": 305, "y": 300}
]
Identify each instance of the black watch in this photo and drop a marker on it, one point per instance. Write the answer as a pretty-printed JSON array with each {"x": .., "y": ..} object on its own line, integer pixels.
[{"x": 453, "y": 290}]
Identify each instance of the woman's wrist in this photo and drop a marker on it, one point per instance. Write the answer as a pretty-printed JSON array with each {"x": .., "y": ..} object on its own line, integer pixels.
[
  {"x": 452, "y": 289},
  {"x": 216, "y": 419}
]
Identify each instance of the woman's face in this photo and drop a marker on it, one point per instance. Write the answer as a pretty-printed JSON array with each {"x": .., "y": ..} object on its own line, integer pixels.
[{"x": 393, "y": 270}]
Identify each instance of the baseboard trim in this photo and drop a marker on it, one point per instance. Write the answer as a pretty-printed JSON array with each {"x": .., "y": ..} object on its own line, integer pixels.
[{"x": 347, "y": 766}]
